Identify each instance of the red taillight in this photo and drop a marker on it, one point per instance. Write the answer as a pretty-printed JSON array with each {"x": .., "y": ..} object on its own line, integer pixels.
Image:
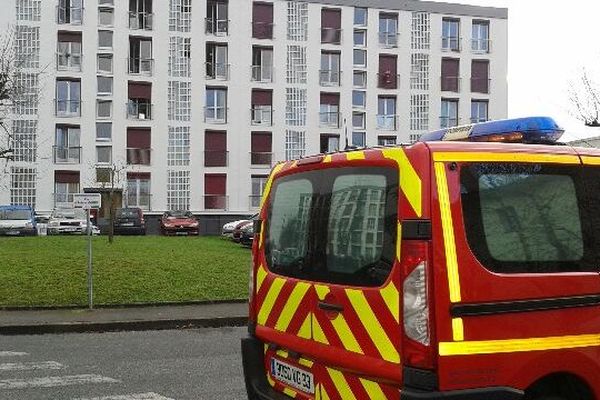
[{"x": 417, "y": 348}]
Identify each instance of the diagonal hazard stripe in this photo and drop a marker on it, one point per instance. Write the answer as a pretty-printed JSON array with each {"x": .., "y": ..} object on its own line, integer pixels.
[
  {"x": 270, "y": 300},
  {"x": 291, "y": 306},
  {"x": 391, "y": 296},
  {"x": 373, "y": 327},
  {"x": 317, "y": 331},
  {"x": 324, "y": 394},
  {"x": 341, "y": 384},
  {"x": 373, "y": 389},
  {"x": 345, "y": 334},
  {"x": 289, "y": 392},
  {"x": 305, "y": 330},
  {"x": 261, "y": 274}
]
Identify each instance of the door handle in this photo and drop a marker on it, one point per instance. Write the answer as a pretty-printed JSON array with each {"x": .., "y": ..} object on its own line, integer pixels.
[{"x": 330, "y": 307}]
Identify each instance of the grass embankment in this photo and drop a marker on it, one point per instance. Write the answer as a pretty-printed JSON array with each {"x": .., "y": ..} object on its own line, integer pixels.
[{"x": 52, "y": 271}]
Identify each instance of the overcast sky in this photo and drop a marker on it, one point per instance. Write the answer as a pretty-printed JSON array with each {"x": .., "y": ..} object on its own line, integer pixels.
[{"x": 549, "y": 43}]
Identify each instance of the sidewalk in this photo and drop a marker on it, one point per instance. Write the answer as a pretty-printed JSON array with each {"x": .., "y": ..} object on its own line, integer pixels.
[{"x": 123, "y": 319}]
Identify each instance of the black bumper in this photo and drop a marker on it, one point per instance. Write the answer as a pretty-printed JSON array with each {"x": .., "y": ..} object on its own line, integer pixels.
[{"x": 492, "y": 393}]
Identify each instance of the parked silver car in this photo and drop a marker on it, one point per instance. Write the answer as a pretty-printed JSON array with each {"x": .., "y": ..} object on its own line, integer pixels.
[{"x": 69, "y": 221}]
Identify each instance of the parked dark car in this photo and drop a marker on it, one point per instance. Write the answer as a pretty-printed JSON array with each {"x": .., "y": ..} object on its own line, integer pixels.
[
  {"x": 247, "y": 236},
  {"x": 129, "y": 221},
  {"x": 179, "y": 223},
  {"x": 237, "y": 231}
]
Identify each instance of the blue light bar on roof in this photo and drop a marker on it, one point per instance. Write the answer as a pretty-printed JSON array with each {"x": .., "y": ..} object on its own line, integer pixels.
[{"x": 518, "y": 130}]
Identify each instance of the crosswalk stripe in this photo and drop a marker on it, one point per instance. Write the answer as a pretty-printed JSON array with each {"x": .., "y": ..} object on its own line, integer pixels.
[
  {"x": 13, "y": 354},
  {"x": 30, "y": 366},
  {"x": 137, "y": 396},
  {"x": 54, "y": 381}
]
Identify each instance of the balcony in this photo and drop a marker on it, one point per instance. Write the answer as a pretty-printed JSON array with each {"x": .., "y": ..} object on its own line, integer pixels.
[
  {"x": 388, "y": 40},
  {"x": 139, "y": 110},
  {"x": 262, "y": 30},
  {"x": 137, "y": 156},
  {"x": 69, "y": 15},
  {"x": 329, "y": 77},
  {"x": 261, "y": 159},
  {"x": 387, "y": 80},
  {"x": 262, "y": 73},
  {"x": 215, "y": 115},
  {"x": 329, "y": 119},
  {"x": 217, "y": 71},
  {"x": 217, "y": 27},
  {"x": 66, "y": 155},
  {"x": 480, "y": 85},
  {"x": 262, "y": 115},
  {"x": 254, "y": 201},
  {"x": 331, "y": 35},
  {"x": 448, "y": 122},
  {"x": 481, "y": 45},
  {"x": 140, "y": 66},
  {"x": 67, "y": 108},
  {"x": 216, "y": 158},
  {"x": 451, "y": 43},
  {"x": 140, "y": 21},
  {"x": 216, "y": 202},
  {"x": 450, "y": 83},
  {"x": 68, "y": 62},
  {"x": 386, "y": 122}
]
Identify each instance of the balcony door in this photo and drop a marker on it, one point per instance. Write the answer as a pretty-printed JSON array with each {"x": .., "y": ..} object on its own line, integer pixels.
[
  {"x": 68, "y": 97},
  {"x": 67, "y": 144},
  {"x": 140, "y": 54},
  {"x": 330, "y": 68}
]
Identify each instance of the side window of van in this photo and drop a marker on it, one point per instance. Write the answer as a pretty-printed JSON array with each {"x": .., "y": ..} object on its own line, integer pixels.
[{"x": 527, "y": 218}]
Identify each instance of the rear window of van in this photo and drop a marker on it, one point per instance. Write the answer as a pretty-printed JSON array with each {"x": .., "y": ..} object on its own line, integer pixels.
[
  {"x": 335, "y": 225},
  {"x": 527, "y": 218}
]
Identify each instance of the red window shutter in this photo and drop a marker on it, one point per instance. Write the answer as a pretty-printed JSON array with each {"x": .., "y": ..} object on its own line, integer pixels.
[
  {"x": 215, "y": 140},
  {"x": 261, "y": 142},
  {"x": 215, "y": 184},
  {"x": 139, "y": 175},
  {"x": 388, "y": 71},
  {"x": 140, "y": 90},
  {"x": 262, "y": 20},
  {"x": 138, "y": 138},
  {"x": 330, "y": 98},
  {"x": 66, "y": 36},
  {"x": 480, "y": 76},
  {"x": 66, "y": 176},
  {"x": 450, "y": 74},
  {"x": 331, "y": 18},
  {"x": 262, "y": 97}
]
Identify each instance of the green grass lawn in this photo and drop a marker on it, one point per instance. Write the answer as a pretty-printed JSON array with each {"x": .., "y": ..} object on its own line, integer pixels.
[{"x": 52, "y": 271}]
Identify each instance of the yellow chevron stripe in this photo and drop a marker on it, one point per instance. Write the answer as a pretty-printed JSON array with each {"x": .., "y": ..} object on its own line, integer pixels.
[
  {"x": 391, "y": 296},
  {"x": 290, "y": 392},
  {"x": 305, "y": 330},
  {"x": 282, "y": 353},
  {"x": 271, "y": 381},
  {"x": 317, "y": 332},
  {"x": 410, "y": 183},
  {"x": 261, "y": 274},
  {"x": 458, "y": 329},
  {"x": 506, "y": 157},
  {"x": 291, "y": 306},
  {"x": 322, "y": 291},
  {"x": 399, "y": 241},
  {"x": 269, "y": 183},
  {"x": 341, "y": 384},
  {"x": 372, "y": 326},
  {"x": 355, "y": 155},
  {"x": 327, "y": 158},
  {"x": 306, "y": 363},
  {"x": 324, "y": 394},
  {"x": 270, "y": 300},
  {"x": 261, "y": 235},
  {"x": 345, "y": 334},
  {"x": 587, "y": 160},
  {"x": 373, "y": 389}
]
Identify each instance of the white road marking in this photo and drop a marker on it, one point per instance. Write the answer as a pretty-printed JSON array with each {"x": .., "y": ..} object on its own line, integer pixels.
[
  {"x": 30, "y": 366},
  {"x": 137, "y": 396},
  {"x": 54, "y": 381},
  {"x": 13, "y": 354}
]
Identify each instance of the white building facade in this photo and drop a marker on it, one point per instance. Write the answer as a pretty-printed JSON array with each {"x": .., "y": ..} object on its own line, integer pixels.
[{"x": 186, "y": 104}]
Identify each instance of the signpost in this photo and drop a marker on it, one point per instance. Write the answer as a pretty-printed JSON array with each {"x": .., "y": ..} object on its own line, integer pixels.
[{"x": 88, "y": 201}]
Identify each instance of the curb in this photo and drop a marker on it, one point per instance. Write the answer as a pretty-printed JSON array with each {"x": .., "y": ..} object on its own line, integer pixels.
[
  {"x": 118, "y": 326},
  {"x": 119, "y": 306}
]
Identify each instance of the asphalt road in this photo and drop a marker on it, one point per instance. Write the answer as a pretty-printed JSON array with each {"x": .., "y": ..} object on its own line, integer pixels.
[{"x": 154, "y": 365}]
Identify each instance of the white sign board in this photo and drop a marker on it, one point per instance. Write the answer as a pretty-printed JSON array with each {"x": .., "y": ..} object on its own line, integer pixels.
[{"x": 87, "y": 201}]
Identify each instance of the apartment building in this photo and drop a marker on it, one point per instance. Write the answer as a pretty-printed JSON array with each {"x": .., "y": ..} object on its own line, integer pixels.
[{"x": 186, "y": 104}]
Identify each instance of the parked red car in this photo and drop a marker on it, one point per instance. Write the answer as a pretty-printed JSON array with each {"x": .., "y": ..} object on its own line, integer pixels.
[
  {"x": 237, "y": 231},
  {"x": 179, "y": 223}
]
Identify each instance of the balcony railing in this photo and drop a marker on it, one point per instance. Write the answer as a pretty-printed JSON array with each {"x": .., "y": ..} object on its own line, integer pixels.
[
  {"x": 262, "y": 115},
  {"x": 386, "y": 122},
  {"x": 68, "y": 62},
  {"x": 262, "y": 159},
  {"x": 262, "y": 73},
  {"x": 262, "y": 30},
  {"x": 136, "y": 156},
  {"x": 450, "y": 83},
  {"x": 329, "y": 119},
  {"x": 387, "y": 80},
  {"x": 448, "y": 122},
  {"x": 139, "y": 110},
  {"x": 254, "y": 201},
  {"x": 140, "y": 66},
  {"x": 481, "y": 45},
  {"x": 66, "y": 155},
  {"x": 67, "y": 108},
  {"x": 329, "y": 77},
  {"x": 216, "y": 202},
  {"x": 331, "y": 35},
  {"x": 480, "y": 85},
  {"x": 451, "y": 43},
  {"x": 388, "y": 40},
  {"x": 215, "y": 115},
  {"x": 217, "y": 27},
  {"x": 476, "y": 120},
  {"x": 142, "y": 201},
  {"x": 216, "y": 158},
  {"x": 140, "y": 20},
  {"x": 217, "y": 71},
  {"x": 69, "y": 15}
]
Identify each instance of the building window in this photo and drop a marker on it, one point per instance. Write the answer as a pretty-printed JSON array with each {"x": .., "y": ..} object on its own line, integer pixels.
[
  {"x": 140, "y": 14},
  {"x": 258, "y": 183},
  {"x": 480, "y": 36},
  {"x": 359, "y": 99},
  {"x": 215, "y": 191},
  {"x": 450, "y": 81},
  {"x": 387, "y": 77},
  {"x": 138, "y": 190},
  {"x": 103, "y": 109},
  {"x": 388, "y": 30},
  {"x": 419, "y": 71},
  {"x": 450, "y": 34},
  {"x": 66, "y": 183},
  {"x": 68, "y": 56},
  {"x": 140, "y": 56},
  {"x": 331, "y": 25},
  {"x": 479, "y": 111},
  {"x": 216, "y": 61},
  {"x": 386, "y": 113},
  {"x": 419, "y": 112},
  {"x": 24, "y": 140},
  {"x": 420, "y": 33},
  {"x": 23, "y": 186},
  {"x": 262, "y": 107},
  {"x": 106, "y": 17},
  {"x": 27, "y": 46},
  {"x": 103, "y": 154},
  {"x": 104, "y": 131},
  {"x": 70, "y": 11},
  {"x": 217, "y": 17},
  {"x": 260, "y": 149},
  {"x": 139, "y": 146},
  {"x": 139, "y": 100},
  {"x": 28, "y": 10},
  {"x": 329, "y": 75},
  {"x": 359, "y": 120},
  {"x": 262, "y": 20},
  {"x": 178, "y": 190},
  {"x": 359, "y": 139},
  {"x": 295, "y": 144},
  {"x": 67, "y": 145},
  {"x": 105, "y": 85},
  {"x": 105, "y": 63},
  {"x": 329, "y": 113},
  {"x": 215, "y": 149},
  {"x": 386, "y": 141},
  {"x": 296, "y": 64},
  {"x": 178, "y": 151},
  {"x": 359, "y": 79},
  {"x": 359, "y": 58},
  {"x": 329, "y": 143},
  {"x": 68, "y": 98},
  {"x": 480, "y": 76},
  {"x": 360, "y": 38},
  {"x": 105, "y": 40},
  {"x": 449, "y": 113},
  {"x": 297, "y": 21},
  {"x": 26, "y": 98},
  {"x": 295, "y": 107},
  {"x": 180, "y": 15},
  {"x": 179, "y": 57},
  {"x": 215, "y": 111},
  {"x": 262, "y": 64},
  {"x": 179, "y": 96},
  {"x": 360, "y": 16}
]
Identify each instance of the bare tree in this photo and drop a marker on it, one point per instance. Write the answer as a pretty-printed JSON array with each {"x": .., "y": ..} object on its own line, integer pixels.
[
  {"x": 110, "y": 179},
  {"x": 8, "y": 91},
  {"x": 584, "y": 95}
]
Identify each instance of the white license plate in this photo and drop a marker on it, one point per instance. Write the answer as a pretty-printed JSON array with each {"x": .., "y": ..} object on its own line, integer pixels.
[
  {"x": 128, "y": 224},
  {"x": 181, "y": 233},
  {"x": 292, "y": 376},
  {"x": 13, "y": 233}
]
